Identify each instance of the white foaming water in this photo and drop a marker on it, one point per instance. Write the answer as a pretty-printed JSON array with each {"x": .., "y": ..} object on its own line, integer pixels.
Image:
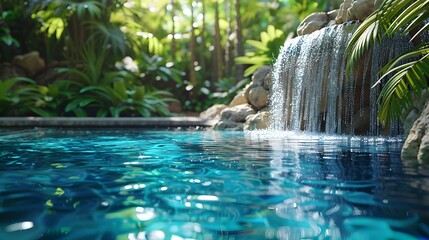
[{"x": 311, "y": 92}]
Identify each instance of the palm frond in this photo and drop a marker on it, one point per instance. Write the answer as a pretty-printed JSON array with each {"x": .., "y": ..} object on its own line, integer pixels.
[
  {"x": 425, "y": 28},
  {"x": 362, "y": 40},
  {"x": 391, "y": 66},
  {"x": 406, "y": 73},
  {"x": 407, "y": 78},
  {"x": 411, "y": 11}
]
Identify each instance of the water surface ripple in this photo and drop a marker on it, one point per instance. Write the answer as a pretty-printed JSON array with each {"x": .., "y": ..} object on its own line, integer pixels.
[{"x": 135, "y": 184}]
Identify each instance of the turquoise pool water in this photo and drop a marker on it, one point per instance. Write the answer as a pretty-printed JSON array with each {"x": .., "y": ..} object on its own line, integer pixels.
[{"x": 136, "y": 184}]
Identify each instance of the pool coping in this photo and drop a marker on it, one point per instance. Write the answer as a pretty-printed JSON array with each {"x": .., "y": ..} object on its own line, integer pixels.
[{"x": 105, "y": 122}]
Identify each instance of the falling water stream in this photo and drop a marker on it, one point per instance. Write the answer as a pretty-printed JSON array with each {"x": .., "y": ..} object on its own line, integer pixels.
[{"x": 310, "y": 89}]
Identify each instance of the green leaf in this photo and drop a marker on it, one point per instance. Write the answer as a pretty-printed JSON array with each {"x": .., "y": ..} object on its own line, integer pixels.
[
  {"x": 8, "y": 84},
  {"x": 404, "y": 74},
  {"x": 79, "y": 112},
  {"x": 41, "y": 112},
  {"x": 257, "y": 44},
  {"x": 80, "y": 74},
  {"x": 120, "y": 89},
  {"x": 259, "y": 60}
]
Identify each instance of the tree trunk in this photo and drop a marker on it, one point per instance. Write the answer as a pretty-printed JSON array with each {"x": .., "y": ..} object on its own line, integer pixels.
[
  {"x": 239, "y": 69},
  {"x": 217, "y": 46},
  {"x": 202, "y": 45},
  {"x": 173, "y": 30},
  {"x": 192, "y": 75},
  {"x": 229, "y": 47}
]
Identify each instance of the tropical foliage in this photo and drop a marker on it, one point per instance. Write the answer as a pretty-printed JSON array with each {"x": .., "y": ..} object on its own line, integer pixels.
[
  {"x": 406, "y": 74},
  {"x": 123, "y": 57},
  {"x": 12, "y": 94},
  {"x": 266, "y": 50}
]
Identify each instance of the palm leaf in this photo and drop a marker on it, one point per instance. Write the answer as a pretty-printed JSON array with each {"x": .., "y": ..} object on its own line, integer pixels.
[
  {"x": 407, "y": 78},
  {"x": 391, "y": 66},
  {"x": 410, "y": 11},
  {"x": 419, "y": 32},
  {"x": 362, "y": 40},
  {"x": 408, "y": 72}
]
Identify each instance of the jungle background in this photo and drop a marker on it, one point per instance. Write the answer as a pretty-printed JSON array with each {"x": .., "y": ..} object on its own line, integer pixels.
[{"x": 112, "y": 58}]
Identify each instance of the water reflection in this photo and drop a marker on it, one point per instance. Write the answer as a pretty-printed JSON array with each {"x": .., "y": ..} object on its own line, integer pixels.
[
  {"x": 208, "y": 185},
  {"x": 342, "y": 187}
]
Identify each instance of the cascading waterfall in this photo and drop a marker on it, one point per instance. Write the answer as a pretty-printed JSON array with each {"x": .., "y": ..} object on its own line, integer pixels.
[{"x": 310, "y": 90}]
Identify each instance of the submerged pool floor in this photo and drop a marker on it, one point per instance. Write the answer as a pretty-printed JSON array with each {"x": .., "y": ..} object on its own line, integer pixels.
[{"x": 139, "y": 184}]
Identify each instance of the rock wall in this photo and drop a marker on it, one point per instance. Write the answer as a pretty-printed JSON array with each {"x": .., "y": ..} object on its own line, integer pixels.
[
  {"x": 248, "y": 110},
  {"x": 350, "y": 10},
  {"x": 416, "y": 126}
]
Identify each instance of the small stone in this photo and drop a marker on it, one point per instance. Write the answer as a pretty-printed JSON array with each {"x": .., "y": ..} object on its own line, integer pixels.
[
  {"x": 258, "y": 97},
  {"x": 312, "y": 23}
]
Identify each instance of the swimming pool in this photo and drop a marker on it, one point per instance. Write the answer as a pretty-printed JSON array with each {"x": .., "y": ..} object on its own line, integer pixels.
[{"x": 141, "y": 184}]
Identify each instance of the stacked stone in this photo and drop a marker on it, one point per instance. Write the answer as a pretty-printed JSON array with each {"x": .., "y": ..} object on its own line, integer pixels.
[{"x": 249, "y": 108}]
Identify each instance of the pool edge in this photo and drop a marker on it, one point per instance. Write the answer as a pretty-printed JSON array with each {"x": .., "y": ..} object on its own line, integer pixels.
[{"x": 105, "y": 122}]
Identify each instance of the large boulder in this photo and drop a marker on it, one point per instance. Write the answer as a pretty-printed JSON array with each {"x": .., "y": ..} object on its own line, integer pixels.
[
  {"x": 360, "y": 9},
  {"x": 409, "y": 121},
  {"x": 350, "y": 10},
  {"x": 259, "y": 77},
  {"x": 238, "y": 113},
  {"x": 257, "y": 93},
  {"x": 313, "y": 22},
  {"x": 416, "y": 145},
  {"x": 411, "y": 114},
  {"x": 31, "y": 62},
  {"x": 267, "y": 81},
  {"x": 257, "y": 121},
  {"x": 342, "y": 15},
  {"x": 240, "y": 98},
  {"x": 228, "y": 125},
  {"x": 213, "y": 112},
  {"x": 258, "y": 97}
]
